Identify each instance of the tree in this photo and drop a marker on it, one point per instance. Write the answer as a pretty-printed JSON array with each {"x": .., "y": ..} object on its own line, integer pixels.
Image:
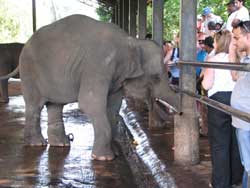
[
  {"x": 104, "y": 12},
  {"x": 171, "y": 19},
  {"x": 9, "y": 26}
]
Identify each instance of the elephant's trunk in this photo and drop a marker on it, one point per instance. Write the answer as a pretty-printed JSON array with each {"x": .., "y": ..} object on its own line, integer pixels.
[{"x": 163, "y": 92}]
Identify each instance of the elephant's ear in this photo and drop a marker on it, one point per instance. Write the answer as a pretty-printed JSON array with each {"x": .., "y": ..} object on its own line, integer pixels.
[{"x": 130, "y": 65}]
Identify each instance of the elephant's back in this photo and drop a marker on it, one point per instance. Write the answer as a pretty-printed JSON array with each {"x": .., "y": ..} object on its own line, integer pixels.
[{"x": 55, "y": 53}]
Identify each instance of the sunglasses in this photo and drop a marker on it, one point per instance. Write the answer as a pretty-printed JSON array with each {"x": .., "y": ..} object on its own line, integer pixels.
[
  {"x": 201, "y": 41},
  {"x": 244, "y": 25}
]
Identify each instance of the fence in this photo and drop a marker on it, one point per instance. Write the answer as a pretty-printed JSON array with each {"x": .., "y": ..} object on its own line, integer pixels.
[{"x": 205, "y": 100}]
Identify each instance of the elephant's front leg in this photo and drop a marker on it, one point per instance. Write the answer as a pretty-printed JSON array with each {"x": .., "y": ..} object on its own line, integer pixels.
[
  {"x": 92, "y": 101},
  {"x": 56, "y": 131},
  {"x": 4, "y": 91},
  {"x": 113, "y": 107}
]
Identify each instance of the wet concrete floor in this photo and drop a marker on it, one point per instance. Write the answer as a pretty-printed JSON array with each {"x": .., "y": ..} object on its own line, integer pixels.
[{"x": 22, "y": 166}]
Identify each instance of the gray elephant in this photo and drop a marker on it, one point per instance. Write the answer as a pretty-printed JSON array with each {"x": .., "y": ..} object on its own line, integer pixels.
[
  {"x": 9, "y": 56},
  {"x": 80, "y": 59}
]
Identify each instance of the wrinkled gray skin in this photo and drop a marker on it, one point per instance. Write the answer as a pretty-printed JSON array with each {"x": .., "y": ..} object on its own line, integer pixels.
[
  {"x": 9, "y": 56},
  {"x": 80, "y": 59}
]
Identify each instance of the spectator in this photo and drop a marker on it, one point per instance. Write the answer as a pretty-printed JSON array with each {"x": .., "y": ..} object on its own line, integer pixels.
[
  {"x": 231, "y": 9},
  {"x": 208, "y": 17},
  {"x": 241, "y": 96},
  {"x": 201, "y": 54},
  {"x": 209, "y": 44},
  {"x": 173, "y": 69},
  {"x": 242, "y": 13},
  {"x": 199, "y": 23},
  {"x": 167, "y": 50},
  {"x": 226, "y": 167}
]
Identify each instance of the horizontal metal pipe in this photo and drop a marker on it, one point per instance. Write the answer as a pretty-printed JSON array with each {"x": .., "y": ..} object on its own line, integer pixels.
[
  {"x": 171, "y": 108},
  {"x": 220, "y": 65},
  {"x": 217, "y": 105}
]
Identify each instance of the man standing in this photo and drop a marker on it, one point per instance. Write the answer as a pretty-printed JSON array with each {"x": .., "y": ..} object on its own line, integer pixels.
[
  {"x": 242, "y": 13},
  {"x": 232, "y": 12},
  {"x": 240, "y": 98}
]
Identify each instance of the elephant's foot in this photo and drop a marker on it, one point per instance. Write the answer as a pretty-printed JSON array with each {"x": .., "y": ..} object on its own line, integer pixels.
[
  {"x": 102, "y": 152},
  {"x": 35, "y": 141},
  {"x": 63, "y": 141},
  {"x": 102, "y": 158}
]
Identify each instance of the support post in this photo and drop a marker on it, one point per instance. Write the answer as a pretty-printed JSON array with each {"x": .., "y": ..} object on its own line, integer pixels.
[
  {"x": 132, "y": 17},
  {"x": 154, "y": 120},
  {"x": 120, "y": 4},
  {"x": 186, "y": 130},
  {"x": 34, "y": 15},
  {"x": 125, "y": 15},
  {"x": 117, "y": 14},
  {"x": 158, "y": 21},
  {"x": 142, "y": 9},
  {"x": 113, "y": 18}
]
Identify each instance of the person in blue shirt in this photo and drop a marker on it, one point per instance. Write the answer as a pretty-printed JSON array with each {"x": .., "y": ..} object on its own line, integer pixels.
[{"x": 201, "y": 51}]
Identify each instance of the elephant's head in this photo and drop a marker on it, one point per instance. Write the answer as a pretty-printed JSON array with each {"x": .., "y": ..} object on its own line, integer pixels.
[{"x": 153, "y": 80}]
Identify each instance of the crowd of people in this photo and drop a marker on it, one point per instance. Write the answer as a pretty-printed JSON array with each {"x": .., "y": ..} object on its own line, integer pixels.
[{"x": 229, "y": 136}]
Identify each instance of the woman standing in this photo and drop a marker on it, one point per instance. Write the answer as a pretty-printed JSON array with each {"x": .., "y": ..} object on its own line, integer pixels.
[{"x": 226, "y": 166}]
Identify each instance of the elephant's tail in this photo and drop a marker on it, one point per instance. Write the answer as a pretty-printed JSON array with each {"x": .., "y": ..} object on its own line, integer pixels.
[{"x": 13, "y": 73}]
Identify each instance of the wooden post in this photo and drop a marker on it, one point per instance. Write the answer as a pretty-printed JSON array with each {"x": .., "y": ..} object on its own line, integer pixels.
[
  {"x": 34, "y": 14},
  {"x": 142, "y": 9},
  {"x": 186, "y": 130},
  {"x": 158, "y": 21},
  {"x": 132, "y": 17},
  {"x": 125, "y": 14},
  {"x": 154, "y": 120},
  {"x": 120, "y": 4}
]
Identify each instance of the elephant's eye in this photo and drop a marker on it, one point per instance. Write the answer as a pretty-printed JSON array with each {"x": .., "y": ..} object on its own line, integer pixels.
[{"x": 156, "y": 78}]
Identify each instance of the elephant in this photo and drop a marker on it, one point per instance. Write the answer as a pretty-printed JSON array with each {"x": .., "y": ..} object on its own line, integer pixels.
[
  {"x": 79, "y": 59},
  {"x": 9, "y": 58}
]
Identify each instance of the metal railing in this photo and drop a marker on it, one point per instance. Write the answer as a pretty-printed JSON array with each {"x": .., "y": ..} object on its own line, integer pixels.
[{"x": 205, "y": 100}]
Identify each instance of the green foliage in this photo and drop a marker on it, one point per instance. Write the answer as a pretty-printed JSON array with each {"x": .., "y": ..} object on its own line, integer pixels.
[
  {"x": 171, "y": 18},
  {"x": 172, "y": 14},
  {"x": 9, "y": 27},
  {"x": 104, "y": 13}
]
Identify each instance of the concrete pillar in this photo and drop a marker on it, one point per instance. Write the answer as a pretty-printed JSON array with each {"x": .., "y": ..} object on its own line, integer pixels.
[
  {"x": 186, "y": 130},
  {"x": 125, "y": 14},
  {"x": 154, "y": 120},
  {"x": 132, "y": 17},
  {"x": 158, "y": 21},
  {"x": 142, "y": 13}
]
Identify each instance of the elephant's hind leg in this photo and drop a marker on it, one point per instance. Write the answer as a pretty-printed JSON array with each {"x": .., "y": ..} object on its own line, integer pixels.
[
  {"x": 32, "y": 129},
  {"x": 56, "y": 131}
]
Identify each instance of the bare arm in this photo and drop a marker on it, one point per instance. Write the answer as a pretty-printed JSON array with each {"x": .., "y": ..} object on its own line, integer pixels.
[
  {"x": 208, "y": 79},
  {"x": 233, "y": 58},
  {"x": 208, "y": 76}
]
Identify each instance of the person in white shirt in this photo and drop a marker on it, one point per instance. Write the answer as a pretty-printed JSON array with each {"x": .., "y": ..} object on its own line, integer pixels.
[
  {"x": 242, "y": 13},
  {"x": 232, "y": 12},
  {"x": 241, "y": 95},
  {"x": 226, "y": 164}
]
